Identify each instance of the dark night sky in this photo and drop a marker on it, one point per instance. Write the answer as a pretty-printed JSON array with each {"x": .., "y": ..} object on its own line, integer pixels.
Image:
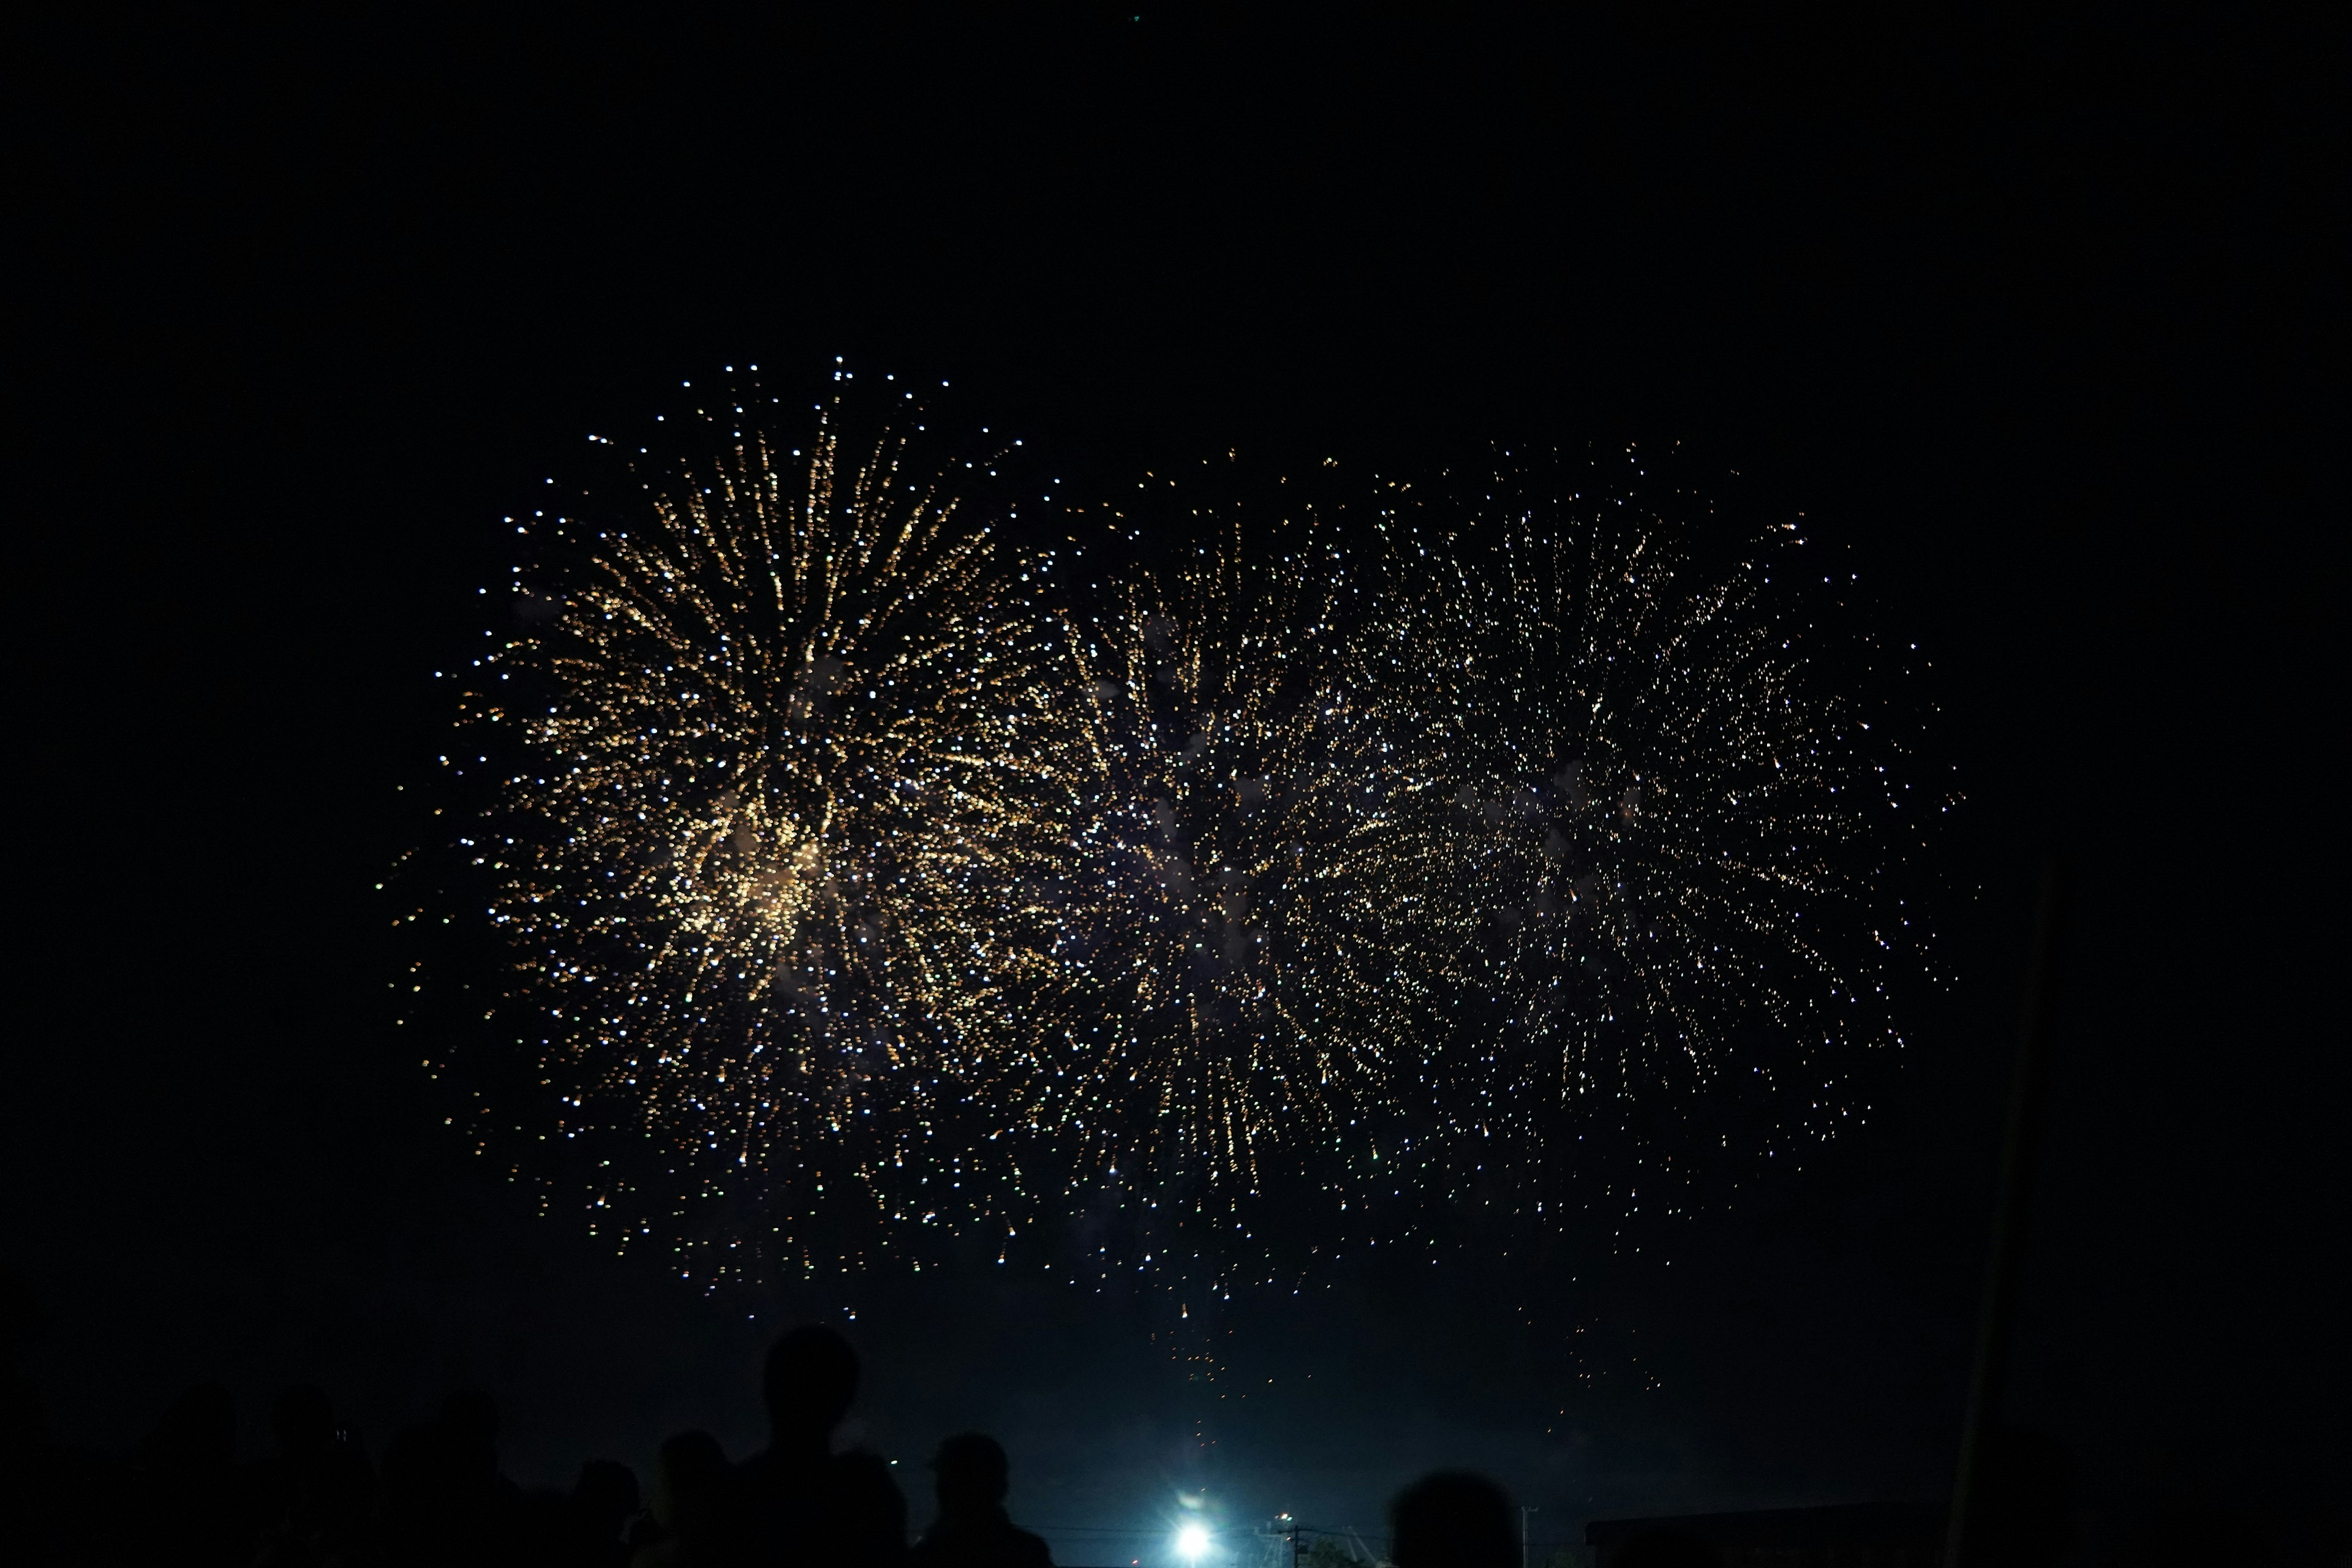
[{"x": 2025, "y": 322}]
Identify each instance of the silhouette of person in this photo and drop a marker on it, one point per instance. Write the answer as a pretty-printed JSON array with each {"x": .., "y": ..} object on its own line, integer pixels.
[
  {"x": 314, "y": 1495},
  {"x": 973, "y": 1529},
  {"x": 21, "y": 1323},
  {"x": 797, "y": 1498},
  {"x": 36, "y": 1498},
  {"x": 442, "y": 1500},
  {"x": 487, "y": 1505},
  {"x": 469, "y": 1426},
  {"x": 1453, "y": 1519},
  {"x": 693, "y": 1492},
  {"x": 412, "y": 1496},
  {"x": 601, "y": 1501},
  {"x": 190, "y": 1508}
]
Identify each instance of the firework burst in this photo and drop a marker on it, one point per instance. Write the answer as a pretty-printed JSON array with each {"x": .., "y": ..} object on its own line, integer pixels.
[
  {"x": 752, "y": 858},
  {"x": 1246, "y": 875},
  {"x": 1670, "y": 825}
]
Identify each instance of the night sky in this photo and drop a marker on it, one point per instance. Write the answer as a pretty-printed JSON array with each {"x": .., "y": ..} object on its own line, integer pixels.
[{"x": 2024, "y": 322}]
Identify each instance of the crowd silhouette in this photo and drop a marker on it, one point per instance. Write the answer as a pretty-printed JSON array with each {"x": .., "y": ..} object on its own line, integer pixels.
[{"x": 439, "y": 1497}]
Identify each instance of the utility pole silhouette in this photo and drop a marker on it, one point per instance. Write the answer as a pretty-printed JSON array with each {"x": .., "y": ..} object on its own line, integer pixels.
[{"x": 2021, "y": 1158}]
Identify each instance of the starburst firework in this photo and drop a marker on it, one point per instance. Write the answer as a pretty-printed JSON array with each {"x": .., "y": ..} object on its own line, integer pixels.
[
  {"x": 753, "y": 858},
  {"x": 1247, "y": 871},
  {"x": 1671, "y": 825}
]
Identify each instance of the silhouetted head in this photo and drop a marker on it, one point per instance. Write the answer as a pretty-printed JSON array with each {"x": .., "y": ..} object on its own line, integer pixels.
[
  {"x": 303, "y": 1421},
  {"x": 1453, "y": 1519},
  {"x": 199, "y": 1429},
  {"x": 469, "y": 1426},
  {"x": 414, "y": 1483},
  {"x": 692, "y": 1493},
  {"x": 812, "y": 1377},
  {"x": 1667, "y": 1548},
  {"x": 604, "y": 1495},
  {"x": 971, "y": 1472}
]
